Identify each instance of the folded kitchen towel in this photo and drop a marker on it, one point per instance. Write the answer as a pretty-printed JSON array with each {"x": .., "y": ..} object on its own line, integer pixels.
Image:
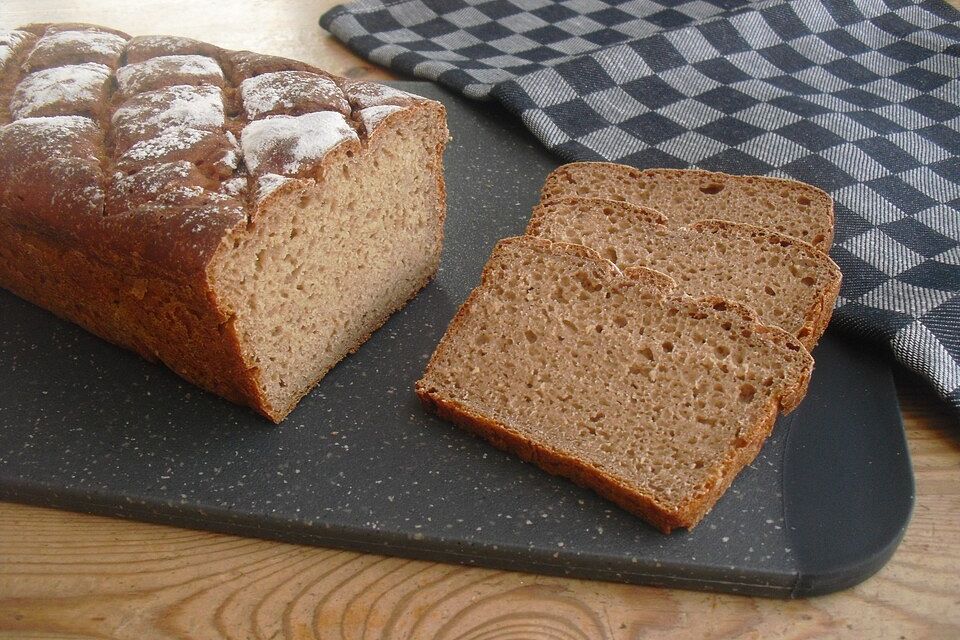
[{"x": 859, "y": 98}]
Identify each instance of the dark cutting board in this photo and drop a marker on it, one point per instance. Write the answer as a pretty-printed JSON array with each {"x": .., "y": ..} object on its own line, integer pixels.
[{"x": 359, "y": 465}]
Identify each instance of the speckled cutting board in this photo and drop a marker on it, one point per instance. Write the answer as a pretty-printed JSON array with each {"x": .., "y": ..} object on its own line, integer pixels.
[{"x": 359, "y": 465}]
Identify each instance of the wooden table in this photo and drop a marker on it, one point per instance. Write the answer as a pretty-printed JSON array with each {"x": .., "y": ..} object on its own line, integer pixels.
[{"x": 65, "y": 575}]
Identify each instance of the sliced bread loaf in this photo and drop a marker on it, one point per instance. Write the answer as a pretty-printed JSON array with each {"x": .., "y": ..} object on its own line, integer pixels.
[
  {"x": 789, "y": 283},
  {"x": 686, "y": 196},
  {"x": 653, "y": 399},
  {"x": 246, "y": 220}
]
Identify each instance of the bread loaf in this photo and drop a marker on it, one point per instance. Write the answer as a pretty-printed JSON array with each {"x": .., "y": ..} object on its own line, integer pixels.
[
  {"x": 244, "y": 219},
  {"x": 789, "y": 283},
  {"x": 653, "y": 399},
  {"x": 687, "y": 196}
]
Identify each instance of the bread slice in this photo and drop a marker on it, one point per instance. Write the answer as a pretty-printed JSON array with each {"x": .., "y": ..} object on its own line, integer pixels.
[
  {"x": 653, "y": 399},
  {"x": 686, "y": 196},
  {"x": 789, "y": 283},
  {"x": 246, "y": 220}
]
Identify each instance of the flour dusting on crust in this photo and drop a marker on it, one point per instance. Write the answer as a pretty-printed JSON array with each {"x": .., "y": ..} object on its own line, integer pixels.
[
  {"x": 176, "y": 69},
  {"x": 370, "y": 94},
  {"x": 174, "y": 183},
  {"x": 76, "y": 87},
  {"x": 284, "y": 91},
  {"x": 232, "y": 157},
  {"x": 234, "y": 186},
  {"x": 54, "y": 128},
  {"x": 63, "y": 46},
  {"x": 151, "y": 181},
  {"x": 9, "y": 41},
  {"x": 283, "y": 144},
  {"x": 268, "y": 183},
  {"x": 165, "y": 144},
  {"x": 177, "y": 106},
  {"x": 94, "y": 41},
  {"x": 12, "y": 37},
  {"x": 180, "y": 106},
  {"x": 371, "y": 117}
]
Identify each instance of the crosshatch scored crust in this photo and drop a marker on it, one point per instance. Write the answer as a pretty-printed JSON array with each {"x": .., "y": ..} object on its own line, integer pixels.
[
  {"x": 789, "y": 283},
  {"x": 245, "y": 219},
  {"x": 613, "y": 379}
]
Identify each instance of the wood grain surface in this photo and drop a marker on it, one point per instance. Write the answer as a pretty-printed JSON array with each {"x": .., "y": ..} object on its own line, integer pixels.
[{"x": 66, "y": 575}]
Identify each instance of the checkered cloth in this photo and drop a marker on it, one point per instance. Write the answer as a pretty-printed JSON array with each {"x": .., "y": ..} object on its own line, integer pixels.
[{"x": 859, "y": 98}]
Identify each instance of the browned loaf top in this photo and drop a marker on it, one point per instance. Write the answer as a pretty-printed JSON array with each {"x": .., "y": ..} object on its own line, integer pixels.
[
  {"x": 146, "y": 184},
  {"x": 654, "y": 399},
  {"x": 789, "y": 283},
  {"x": 686, "y": 196}
]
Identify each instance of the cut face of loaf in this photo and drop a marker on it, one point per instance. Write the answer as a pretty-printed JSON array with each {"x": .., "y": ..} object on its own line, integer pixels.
[
  {"x": 653, "y": 399},
  {"x": 789, "y": 283},
  {"x": 330, "y": 257},
  {"x": 687, "y": 196},
  {"x": 247, "y": 220}
]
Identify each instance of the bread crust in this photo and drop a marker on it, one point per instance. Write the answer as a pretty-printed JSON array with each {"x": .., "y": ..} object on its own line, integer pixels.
[
  {"x": 689, "y": 512},
  {"x": 163, "y": 320},
  {"x": 138, "y": 273}
]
